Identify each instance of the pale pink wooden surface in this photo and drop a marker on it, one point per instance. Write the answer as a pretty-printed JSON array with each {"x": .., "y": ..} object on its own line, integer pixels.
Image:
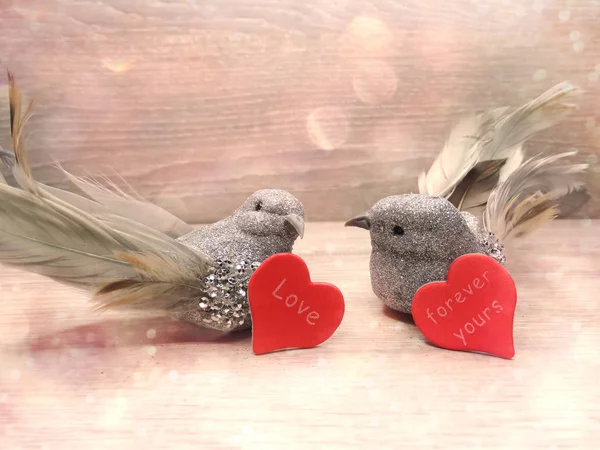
[
  {"x": 198, "y": 103},
  {"x": 71, "y": 379}
]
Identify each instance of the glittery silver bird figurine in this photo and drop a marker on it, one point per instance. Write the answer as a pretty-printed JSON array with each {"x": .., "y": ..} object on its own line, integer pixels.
[
  {"x": 131, "y": 254},
  {"x": 479, "y": 192}
]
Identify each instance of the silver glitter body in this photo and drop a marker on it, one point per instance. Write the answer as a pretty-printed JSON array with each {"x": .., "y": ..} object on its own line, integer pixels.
[
  {"x": 237, "y": 245},
  {"x": 488, "y": 239},
  {"x": 227, "y": 241},
  {"x": 414, "y": 240}
]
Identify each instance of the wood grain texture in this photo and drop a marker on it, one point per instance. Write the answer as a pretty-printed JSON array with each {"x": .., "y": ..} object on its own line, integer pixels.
[
  {"x": 71, "y": 379},
  {"x": 199, "y": 103}
]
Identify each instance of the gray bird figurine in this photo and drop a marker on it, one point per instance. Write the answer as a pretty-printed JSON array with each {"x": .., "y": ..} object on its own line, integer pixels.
[
  {"x": 133, "y": 255},
  {"x": 269, "y": 222},
  {"x": 478, "y": 193}
]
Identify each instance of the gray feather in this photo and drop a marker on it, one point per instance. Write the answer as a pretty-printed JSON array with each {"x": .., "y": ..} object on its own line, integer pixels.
[
  {"x": 165, "y": 280},
  {"x": 538, "y": 191},
  {"x": 56, "y": 240},
  {"x": 119, "y": 203},
  {"x": 45, "y": 238},
  {"x": 511, "y": 130},
  {"x": 105, "y": 201},
  {"x": 486, "y": 148},
  {"x": 82, "y": 242}
]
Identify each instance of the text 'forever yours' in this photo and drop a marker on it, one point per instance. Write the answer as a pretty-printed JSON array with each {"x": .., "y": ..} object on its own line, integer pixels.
[{"x": 461, "y": 296}]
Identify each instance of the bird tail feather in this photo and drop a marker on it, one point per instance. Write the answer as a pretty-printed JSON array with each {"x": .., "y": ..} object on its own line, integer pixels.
[
  {"x": 484, "y": 149},
  {"x": 536, "y": 192},
  {"x": 83, "y": 243}
]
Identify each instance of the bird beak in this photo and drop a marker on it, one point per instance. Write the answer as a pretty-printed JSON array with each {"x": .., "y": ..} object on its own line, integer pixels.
[
  {"x": 297, "y": 222},
  {"x": 361, "y": 221}
]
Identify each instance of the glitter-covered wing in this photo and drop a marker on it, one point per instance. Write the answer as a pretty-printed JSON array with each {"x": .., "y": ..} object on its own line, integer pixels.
[
  {"x": 488, "y": 240},
  {"x": 225, "y": 304},
  {"x": 485, "y": 148}
]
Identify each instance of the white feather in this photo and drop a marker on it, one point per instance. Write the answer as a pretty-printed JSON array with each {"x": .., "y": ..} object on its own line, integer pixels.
[
  {"x": 512, "y": 163},
  {"x": 457, "y": 158}
]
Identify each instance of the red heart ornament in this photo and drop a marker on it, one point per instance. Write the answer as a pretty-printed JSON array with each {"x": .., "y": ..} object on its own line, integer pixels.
[
  {"x": 288, "y": 310},
  {"x": 473, "y": 310}
]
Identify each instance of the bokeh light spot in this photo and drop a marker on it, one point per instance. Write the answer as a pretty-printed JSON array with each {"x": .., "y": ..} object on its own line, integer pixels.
[
  {"x": 116, "y": 65},
  {"x": 538, "y": 6},
  {"x": 369, "y": 33},
  {"x": 375, "y": 83},
  {"x": 540, "y": 75},
  {"x": 564, "y": 16},
  {"x": 328, "y": 127}
]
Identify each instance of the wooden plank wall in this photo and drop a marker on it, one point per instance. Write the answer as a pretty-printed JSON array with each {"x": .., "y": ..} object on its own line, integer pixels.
[{"x": 198, "y": 103}]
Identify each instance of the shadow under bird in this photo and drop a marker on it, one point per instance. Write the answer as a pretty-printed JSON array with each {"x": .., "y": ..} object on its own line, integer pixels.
[
  {"x": 479, "y": 192},
  {"x": 131, "y": 254}
]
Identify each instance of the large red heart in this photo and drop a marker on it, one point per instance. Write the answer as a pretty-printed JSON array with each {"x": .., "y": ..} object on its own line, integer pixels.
[
  {"x": 473, "y": 310},
  {"x": 288, "y": 310}
]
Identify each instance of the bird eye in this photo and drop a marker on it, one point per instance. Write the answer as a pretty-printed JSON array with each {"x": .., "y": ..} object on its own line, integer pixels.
[
  {"x": 258, "y": 206},
  {"x": 398, "y": 231}
]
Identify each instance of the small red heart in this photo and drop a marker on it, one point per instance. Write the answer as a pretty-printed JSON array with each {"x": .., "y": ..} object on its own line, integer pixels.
[
  {"x": 472, "y": 311},
  {"x": 288, "y": 310}
]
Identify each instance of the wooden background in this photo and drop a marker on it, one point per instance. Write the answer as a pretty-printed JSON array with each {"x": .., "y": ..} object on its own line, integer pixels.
[{"x": 199, "y": 103}]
